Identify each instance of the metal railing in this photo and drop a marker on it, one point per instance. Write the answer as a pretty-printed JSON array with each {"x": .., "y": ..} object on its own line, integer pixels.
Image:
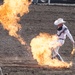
[{"x": 53, "y": 1}]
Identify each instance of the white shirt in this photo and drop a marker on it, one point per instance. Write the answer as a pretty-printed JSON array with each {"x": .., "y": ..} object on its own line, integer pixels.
[{"x": 64, "y": 32}]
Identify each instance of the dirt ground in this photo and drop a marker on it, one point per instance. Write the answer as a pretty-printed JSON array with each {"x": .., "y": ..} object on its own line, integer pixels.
[{"x": 15, "y": 59}]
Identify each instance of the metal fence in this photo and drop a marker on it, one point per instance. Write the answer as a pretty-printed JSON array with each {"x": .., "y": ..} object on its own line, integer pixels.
[{"x": 54, "y": 1}]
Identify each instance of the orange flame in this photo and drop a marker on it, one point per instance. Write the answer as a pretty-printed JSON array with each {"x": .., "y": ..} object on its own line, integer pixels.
[
  {"x": 41, "y": 47},
  {"x": 10, "y": 13}
]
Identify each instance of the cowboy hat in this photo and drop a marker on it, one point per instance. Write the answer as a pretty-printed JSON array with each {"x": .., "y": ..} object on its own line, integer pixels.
[{"x": 59, "y": 21}]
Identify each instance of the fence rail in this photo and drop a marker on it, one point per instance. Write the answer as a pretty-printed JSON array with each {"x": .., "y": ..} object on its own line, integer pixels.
[{"x": 54, "y": 1}]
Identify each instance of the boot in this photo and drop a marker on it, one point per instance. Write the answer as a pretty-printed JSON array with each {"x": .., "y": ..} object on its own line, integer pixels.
[{"x": 59, "y": 57}]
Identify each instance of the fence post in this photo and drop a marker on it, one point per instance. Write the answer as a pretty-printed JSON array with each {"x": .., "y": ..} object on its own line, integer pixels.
[
  {"x": 35, "y": 1},
  {"x": 1, "y": 71},
  {"x": 49, "y": 2}
]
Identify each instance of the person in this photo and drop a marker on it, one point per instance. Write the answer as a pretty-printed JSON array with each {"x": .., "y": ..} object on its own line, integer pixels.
[{"x": 62, "y": 32}]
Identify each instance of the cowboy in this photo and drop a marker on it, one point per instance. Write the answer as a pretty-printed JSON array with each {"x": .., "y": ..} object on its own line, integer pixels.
[{"x": 62, "y": 32}]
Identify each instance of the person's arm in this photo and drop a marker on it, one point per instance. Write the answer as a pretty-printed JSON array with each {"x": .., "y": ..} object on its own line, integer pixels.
[{"x": 70, "y": 36}]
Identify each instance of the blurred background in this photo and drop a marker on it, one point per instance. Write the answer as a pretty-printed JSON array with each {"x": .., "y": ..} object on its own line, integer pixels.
[{"x": 54, "y": 1}]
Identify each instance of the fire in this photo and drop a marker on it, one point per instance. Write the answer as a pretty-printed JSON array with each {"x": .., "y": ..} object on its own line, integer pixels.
[
  {"x": 10, "y": 13},
  {"x": 41, "y": 47}
]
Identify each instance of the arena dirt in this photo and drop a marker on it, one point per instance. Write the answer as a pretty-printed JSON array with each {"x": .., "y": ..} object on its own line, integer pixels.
[{"x": 39, "y": 19}]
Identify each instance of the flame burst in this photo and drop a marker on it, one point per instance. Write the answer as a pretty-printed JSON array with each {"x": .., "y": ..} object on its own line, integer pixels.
[
  {"x": 10, "y": 13},
  {"x": 41, "y": 47}
]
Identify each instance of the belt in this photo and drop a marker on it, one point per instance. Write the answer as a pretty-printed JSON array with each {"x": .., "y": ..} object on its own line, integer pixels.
[{"x": 61, "y": 39}]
